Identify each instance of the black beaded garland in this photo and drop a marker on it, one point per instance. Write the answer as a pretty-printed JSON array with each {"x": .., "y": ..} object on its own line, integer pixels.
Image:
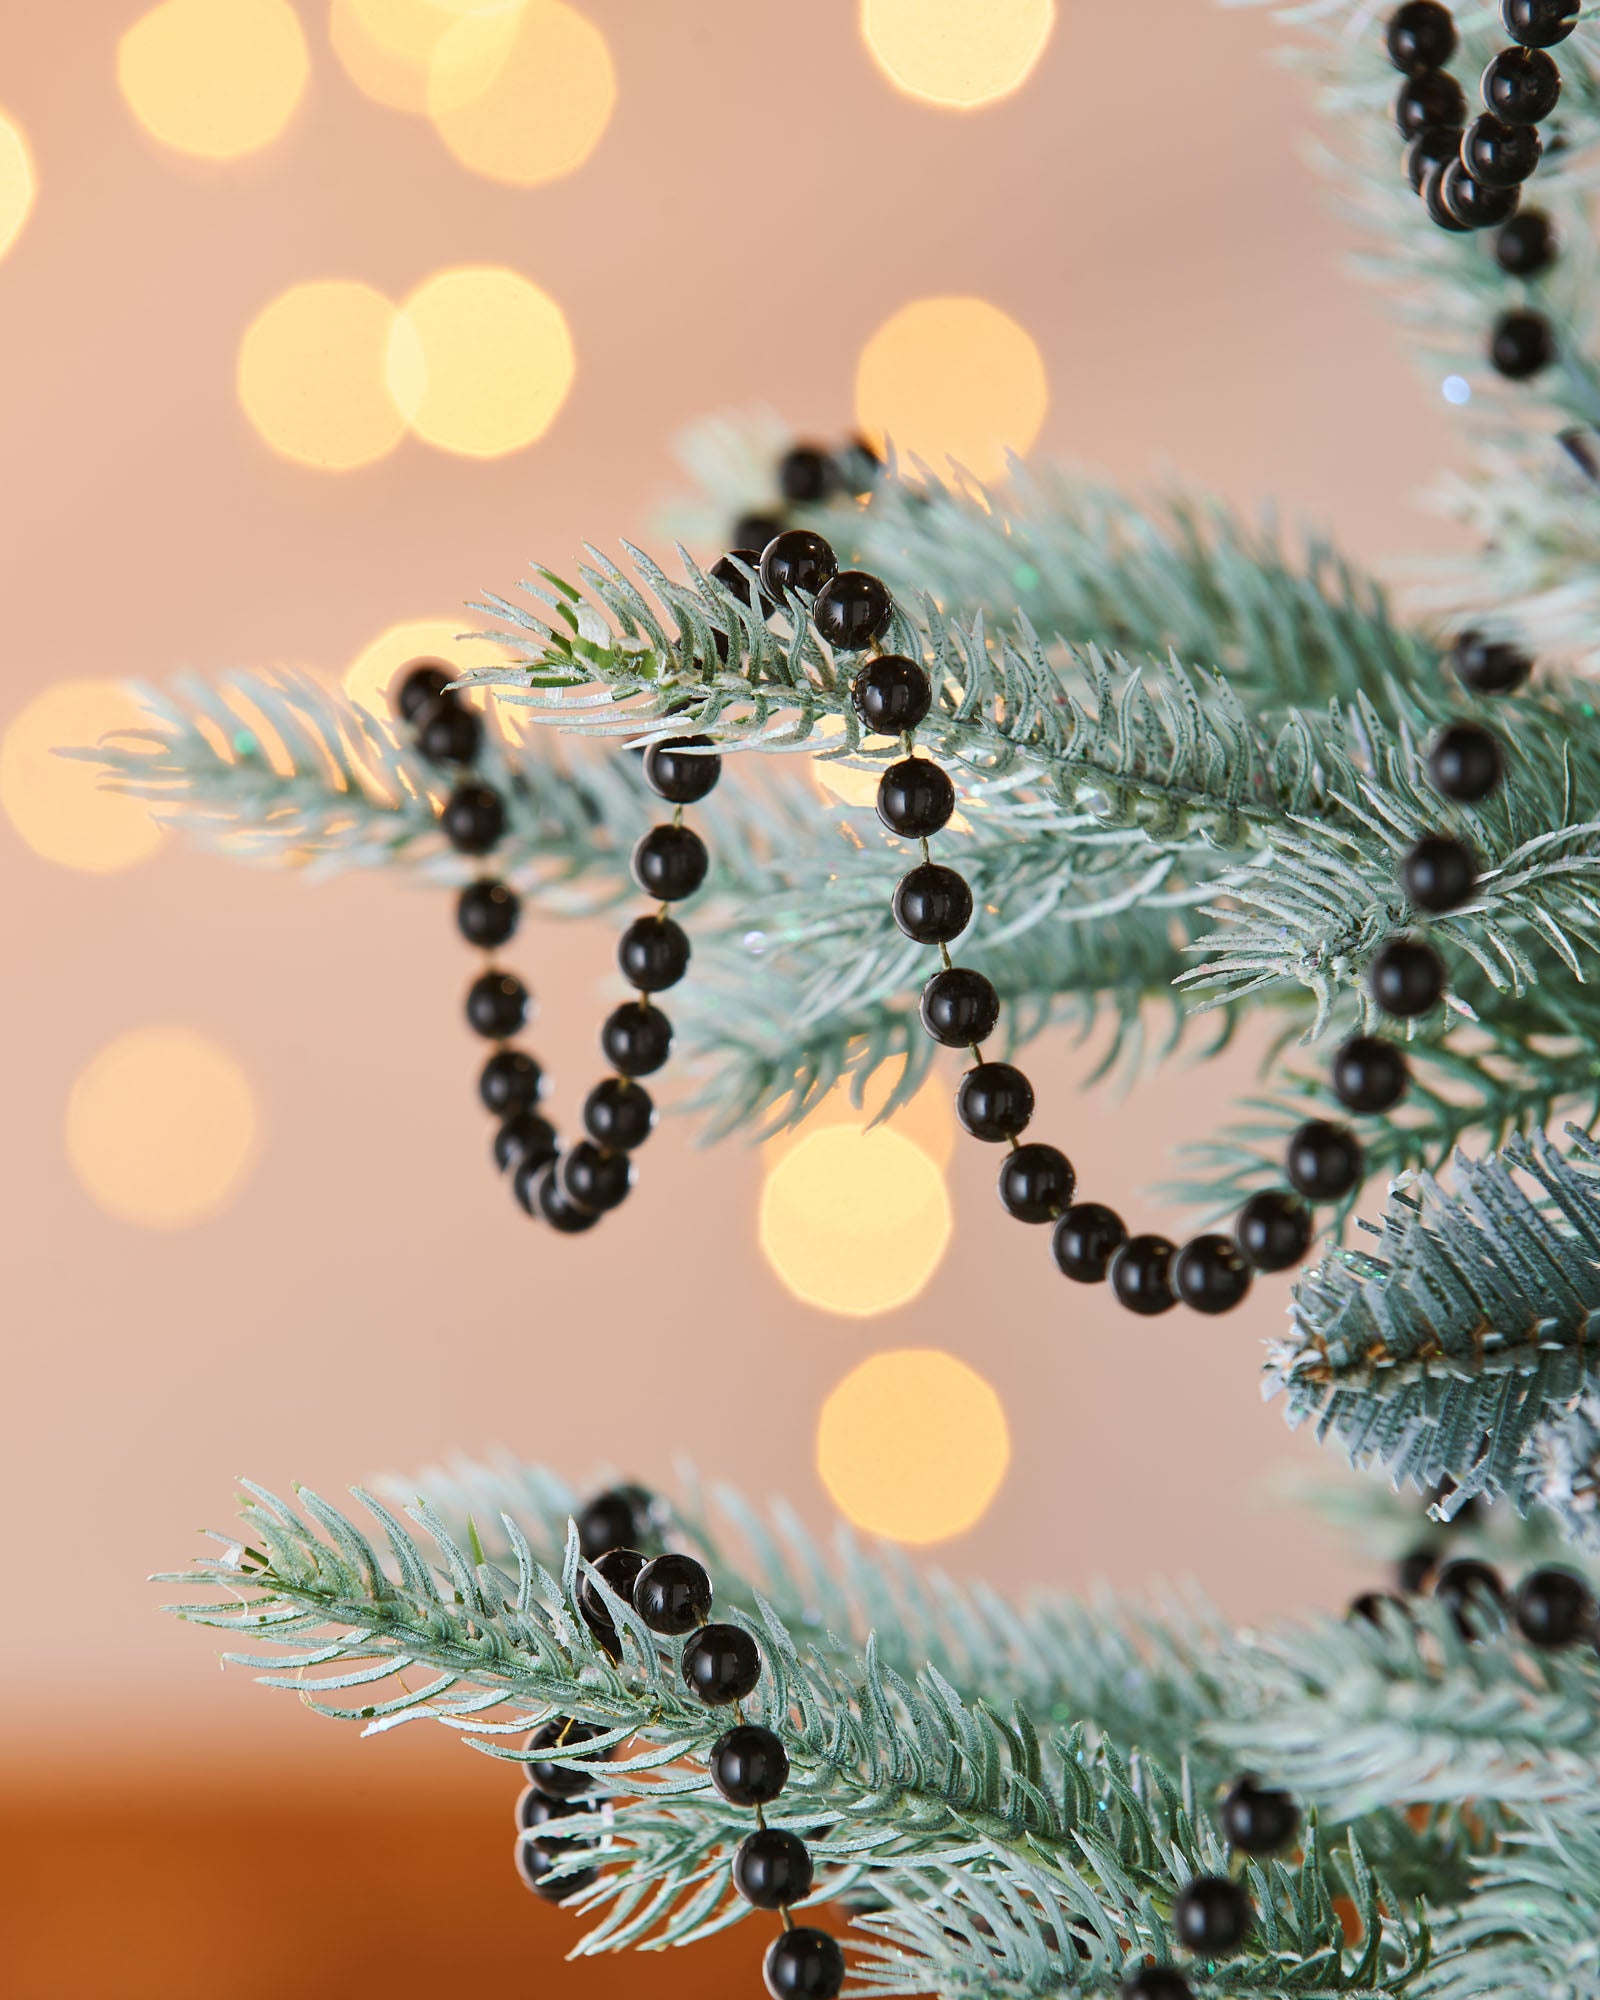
[
  {"x": 1273, "y": 1229},
  {"x": 932, "y": 904},
  {"x": 1323, "y": 1161},
  {"x": 592, "y": 1177},
  {"x": 682, "y": 769},
  {"x": 1210, "y": 1274},
  {"x": 1488, "y": 666},
  {"x": 558, "y": 1781},
  {"x": 487, "y": 913},
  {"x": 1521, "y": 86},
  {"x": 1521, "y": 344},
  {"x": 804, "y": 1964},
  {"x": 1473, "y": 1593},
  {"x": 1035, "y": 1182},
  {"x": 473, "y": 818},
  {"x": 1085, "y": 1239},
  {"x": 852, "y": 609},
  {"x": 669, "y": 862},
  {"x": 749, "y": 1765},
  {"x": 1553, "y": 1608},
  {"x": 1156, "y": 1982},
  {"x": 806, "y": 475},
  {"x": 619, "y": 1518},
  {"x": 1439, "y": 873},
  {"x": 891, "y": 694},
  {"x": 619, "y": 1113},
  {"x": 535, "y": 1808},
  {"x": 1473, "y": 203},
  {"x": 1141, "y": 1275},
  {"x": 797, "y": 559},
  {"x": 653, "y": 953},
  {"x": 424, "y": 681},
  {"x": 1413, "y": 1569},
  {"x": 1527, "y": 244},
  {"x": 1539, "y": 24},
  {"x": 509, "y": 1082},
  {"x": 447, "y": 733},
  {"x": 1211, "y": 1914},
  {"x": 915, "y": 797},
  {"x": 1375, "y": 1607},
  {"x": 1420, "y": 35},
  {"x": 772, "y": 1869},
  {"x": 755, "y": 531},
  {"x": 672, "y": 1594},
  {"x": 1498, "y": 154},
  {"x": 618, "y": 1569},
  {"x": 636, "y": 1038},
  {"x": 721, "y": 1663},
  {"x": 1433, "y": 196},
  {"x": 727, "y": 572},
  {"x": 497, "y": 1004},
  {"x": 535, "y": 1861},
  {"x": 1369, "y": 1074},
  {"x": 1429, "y": 98},
  {"x": 525, "y": 1140},
  {"x": 551, "y": 1202},
  {"x": 1256, "y": 1819},
  {"x": 1465, "y": 763},
  {"x": 994, "y": 1101},
  {"x": 1406, "y": 977},
  {"x": 1431, "y": 151},
  {"x": 959, "y": 1007}
]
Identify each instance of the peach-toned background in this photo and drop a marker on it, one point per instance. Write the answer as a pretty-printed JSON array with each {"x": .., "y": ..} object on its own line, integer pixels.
[{"x": 372, "y": 1299}]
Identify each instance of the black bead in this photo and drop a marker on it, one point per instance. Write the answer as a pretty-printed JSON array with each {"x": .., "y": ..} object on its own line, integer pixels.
[
  {"x": 678, "y": 768},
  {"x": 891, "y": 695},
  {"x": 509, "y": 1082},
  {"x": 1439, "y": 210},
  {"x": 535, "y": 1808},
  {"x": 1406, "y": 977},
  {"x": 1376, "y": 1607},
  {"x": 721, "y": 1663},
  {"x": 959, "y": 1007},
  {"x": 619, "y": 1113},
  {"x": 1521, "y": 86},
  {"x": 1488, "y": 666},
  {"x": 447, "y": 733},
  {"x": 1413, "y": 1569},
  {"x": 1156, "y": 1982},
  {"x": 672, "y": 1594},
  {"x": 636, "y": 1038},
  {"x": 1420, "y": 35},
  {"x": 653, "y": 953},
  {"x": 1539, "y": 24},
  {"x": 1436, "y": 147},
  {"x": 540, "y": 1192},
  {"x": 1521, "y": 344},
  {"x": 1427, "y": 98},
  {"x": 1370, "y": 1075},
  {"x": 805, "y": 475},
  {"x": 536, "y": 1861},
  {"x": 1085, "y": 1239},
  {"x": 915, "y": 797},
  {"x": 749, "y": 1765},
  {"x": 1553, "y": 1607},
  {"x": 1473, "y": 1593},
  {"x": 994, "y": 1101},
  {"x": 1473, "y": 203},
  {"x": 555, "y": 1781},
  {"x": 1256, "y": 1819},
  {"x": 1465, "y": 763},
  {"x": 797, "y": 559},
  {"x": 473, "y": 819},
  {"x": 932, "y": 904},
  {"x": 754, "y": 531},
  {"x": 1273, "y": 1229},
  {"x": 1439, "y": 873},
  {"x": 1141, "y": 1275},
  {"x": 422, "y": 682},
  {"x": 487, "y": 913},
  {"x": 852, "y": 609},
  {"x": 1210, "y": 1274},
  {"x": 803, "y": 1964},
  {"x": 1527, "y": 245},
  {"x": 497, "y": 1004},
  {"x": 621, "y": 1517},
  {"x": 772, "y": 1869},
  {"x": 669, "y": 862},
  {"x": 594, "y": 1178},
  {"x": 1323, "y": 1161},
  {"x": 525, "y": 1138},
  {"x": 619, "y": 1570},
  {"x": 1211, "y": 1915},
  {"x": 733, "y": 579},
  {"x": 1035, "y": 1182},
  {"x": 1498, "y": 154},
  {"x": 859, "y": 467}
]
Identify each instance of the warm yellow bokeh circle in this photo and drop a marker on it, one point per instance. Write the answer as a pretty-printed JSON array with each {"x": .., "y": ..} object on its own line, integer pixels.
[
  {"x": 959, "y": 54},
  {"x": 480, "y": 361},
  {"x": 394, "y": 50},
  {"x": 18, "y": 183},
  {"x": 371, "y": 675},
  {"x": 56, "y": 802},
  {"x": 161, "y": 1128},
  {"x": 312, "y": 374},
  {"x": 528, "y": 106},
  {"x": 854, "y": 1222},
  {"x": 913, "y": 1445},
  {"x": 214, "y": 77},
  {"x": 925, "y": 1118},
  {"x": 952, "y": 378}
]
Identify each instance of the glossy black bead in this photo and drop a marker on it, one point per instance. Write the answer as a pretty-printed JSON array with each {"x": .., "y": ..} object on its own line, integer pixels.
[
  {"x": 1430, "y": 97},
  {"x": 1553, "y": 1608},
  {"x": 1141, "y": 1275},
  {"x": 1521, "y": 86},
  {"x": 733, "y": 579},
  {"x": 1035, "y": 1182},
  {"x": 509, "y": 1082},
  {"x": 619, "y": 1570},
  {"x": 805, "y": 475},
  {"x": 1376, "y": 1607},
  {"x": 891, "y": 695},
  {"x": 636, "y": 1038},
  {"x": 1539, "y": 24},
  {"x": 523, "y": 1139},
  {"x": 721, "y": 1663},
  {"x": 1439, "y": 873},
  {"x": 1420, "y": 35},
  {"x": 1488, "y": 666},
  {"x": 473, "y": 819},
  {"x": 536, "y": 1864},
  {"x": 803, "y": 1964},
  {"x": 535, "y": 1808},
  {"x": 1435, "y": 148},
  {"x": 1211, "y": 1915},
  {"x": 1256, "y": 1819},
  {"x": 619, "y": 1113},
  {"x": 994, "y": 1101},
  {"x": 542, "y": 1194},
  {"x": 422, "y": 682},
  {"x": 1370, "y": 1075},
  {"x": 1406, "y": 977},
  {"x": 772, "y": 1869},
  {"x": 1156, "y": 1982},
  {"x": 1527, "y": 245},
  {"x": 556, "y": 1781},
  {"x": 1210, "y": 1274},
  {"x": 672, "y": 1594},
  {"x": 1521, "y": 345},
  {"x": 749, "y": 1765},
  {"x": 487, "y": 913},
  {"x": 858, "y": 465},
  {"x": 622, "y": 1517},
  {"x": 669, "y": 862},
  {"x": 932, "y": 904},
  {"x": 959, "y": 1007},
  {"x": 852, "y": 609},
  {"x": 679, "y": 768},
  {"x": 447, "y": 733},
  {"x": 915, "y": 797},
  {"x": 1433, "y": 200},
  {"x": 594, "y": 1178},
  {"x": 653, "y": 953},
  {"x": 1465, "y": 763},
  {"x": 1085, "y": 1239},
  {"x": 1323, "y": 1161},
  {"x": 497, "y": 1005},
  {"x": 1498, "y": 154},
  {"x": 755, "y": 531},
  {"x": 1273, "y": 1229},
  {"x": 1473, "y": 204},
  {"x": 1474, "y": 1595},
  {"x": 1413, "y": 1570},
  {"x": 798, "y": 559}
]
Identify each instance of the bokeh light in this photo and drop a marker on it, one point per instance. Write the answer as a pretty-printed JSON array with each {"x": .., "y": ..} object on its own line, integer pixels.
[
  {"x": 952, "y": 378},
  {"x": 527, "y": 109},
  {"x": 313, "y": 375},
  {"x": 55, "y": 802},
  {"x": 926, "y": 1118},
  {"x": 18, "y": 183},
  {"x": 480, "y": 361},
  {"x": 214, "y": 77},
  {"x": 854, "y": 1222},
  {"x": 957, "y": 53},
  {"x": 372, "y": 673},
  {"x": 913, "y": 1445},
  {"x": 394, "y": 50},
  {"x": 161, "y": 1128}
]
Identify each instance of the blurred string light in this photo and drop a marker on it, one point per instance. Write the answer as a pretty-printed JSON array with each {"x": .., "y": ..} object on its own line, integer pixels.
[
  {"x": 312, "y": 375},
  {"x": 214, "y": 77},
  {"x": 913, "y": 1444},
  {"x": 480, "y": 361},
  {"x": 958, "y": 54},
  {"x": 18, "y": 183},
  {"x": 54, "y": 802},
  {"x": 161, "y": 1128},
  {"x": 392, "y": 49},
  {"x": 952, "y": 379}
]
